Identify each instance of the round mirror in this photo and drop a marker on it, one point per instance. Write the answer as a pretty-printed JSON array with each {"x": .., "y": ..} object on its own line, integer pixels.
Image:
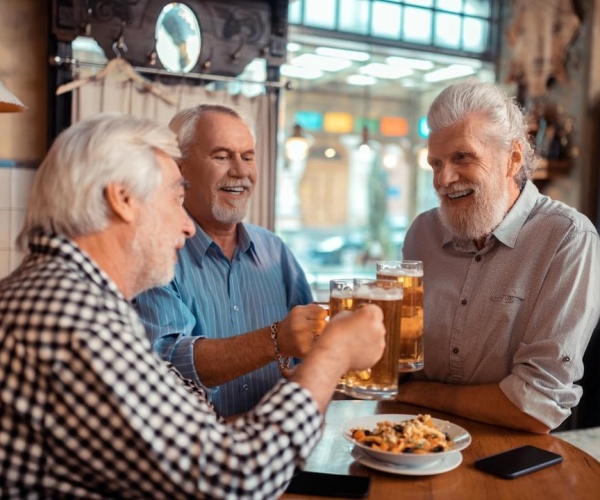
[{"x": 178, "y": 38}]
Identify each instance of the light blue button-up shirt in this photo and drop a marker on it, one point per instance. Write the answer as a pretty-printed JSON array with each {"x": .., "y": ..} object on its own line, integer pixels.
[
  {"x": 520, "y": 311},
  {"x": 212, "y": 297}
]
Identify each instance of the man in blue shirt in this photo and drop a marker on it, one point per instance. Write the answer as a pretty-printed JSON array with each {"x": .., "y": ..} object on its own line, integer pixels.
[{"x": 239, "y": 305}]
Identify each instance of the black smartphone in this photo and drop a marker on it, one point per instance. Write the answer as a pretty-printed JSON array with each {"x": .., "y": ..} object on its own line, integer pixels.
[
  {"x": 329, "y": 485},
  {"x": 518, "y": 461}
]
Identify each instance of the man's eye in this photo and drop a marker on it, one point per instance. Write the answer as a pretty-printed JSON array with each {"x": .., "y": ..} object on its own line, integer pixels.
[
  {"x": 221, "y": 157},
  {"x": 248, "y": 158}
]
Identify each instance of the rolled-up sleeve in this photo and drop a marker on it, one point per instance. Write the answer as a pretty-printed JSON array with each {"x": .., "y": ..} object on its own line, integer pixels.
[{"x": 549, "y": 359}]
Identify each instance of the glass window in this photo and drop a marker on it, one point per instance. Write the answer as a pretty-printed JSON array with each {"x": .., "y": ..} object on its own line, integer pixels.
[
  {"x": 478, "y": 7},
  {"x": 320, "y": 13},
  {"x": 475, "y": 34},
  {"x": 450, "y": 5},
  {"x": 386, "y": 20},
  {"x": 421, "y": 3},
  {"x": 354, "y": 16},
  {"x": 417, "y": 25},
  {"x": 447, "y": 30},
  {"x": 295, "y": 12}
]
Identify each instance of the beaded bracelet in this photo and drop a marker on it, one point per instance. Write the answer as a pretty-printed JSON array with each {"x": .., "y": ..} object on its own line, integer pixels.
[{"x": 282, "y": 361}]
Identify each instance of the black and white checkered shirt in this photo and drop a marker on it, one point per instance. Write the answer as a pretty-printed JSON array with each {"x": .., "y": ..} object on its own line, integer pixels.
[{"x": 87, "y": 410}]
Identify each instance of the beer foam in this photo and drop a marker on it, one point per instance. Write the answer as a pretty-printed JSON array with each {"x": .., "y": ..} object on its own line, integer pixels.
[
  {"x": 342, "y": 294},
  {"x": 370, "y": 293},
  {"x": 415, "y": 273}
]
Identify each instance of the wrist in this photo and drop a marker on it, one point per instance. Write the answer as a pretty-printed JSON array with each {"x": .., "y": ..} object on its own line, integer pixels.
[{"x": 283, "y": 362}]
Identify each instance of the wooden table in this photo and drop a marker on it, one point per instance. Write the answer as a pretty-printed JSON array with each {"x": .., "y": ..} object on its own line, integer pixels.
[{"x": 577, "y": 477}]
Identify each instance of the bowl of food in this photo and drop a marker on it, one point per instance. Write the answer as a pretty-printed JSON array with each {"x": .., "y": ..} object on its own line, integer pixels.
[{"x": 407, "y": 440}]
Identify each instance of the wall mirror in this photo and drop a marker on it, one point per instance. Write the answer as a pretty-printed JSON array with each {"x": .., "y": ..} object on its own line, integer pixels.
[{"x": 178, "y": 38}]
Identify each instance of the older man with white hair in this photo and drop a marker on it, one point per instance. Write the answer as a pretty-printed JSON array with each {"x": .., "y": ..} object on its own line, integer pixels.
[
  {"x": 512, "y": 278},
  {"x": 87, "y": 409}
]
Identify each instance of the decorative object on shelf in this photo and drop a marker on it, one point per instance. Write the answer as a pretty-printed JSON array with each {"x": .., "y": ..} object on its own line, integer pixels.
[
  {"x": 9, "y": 103},
  {"x": 540, "y": 34}
]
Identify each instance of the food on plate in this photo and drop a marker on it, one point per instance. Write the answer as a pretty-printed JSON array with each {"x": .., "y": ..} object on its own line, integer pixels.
[{"x": 418, "y": 435}]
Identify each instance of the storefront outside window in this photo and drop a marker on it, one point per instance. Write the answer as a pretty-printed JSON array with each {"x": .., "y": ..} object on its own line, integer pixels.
[{"x": 347, "y": 194}]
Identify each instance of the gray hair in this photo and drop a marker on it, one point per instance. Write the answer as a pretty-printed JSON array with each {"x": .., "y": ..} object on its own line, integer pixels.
[
  {"x": 459, "y": 100},
  {"x": 67, "y": 196},
  {"x": 185, "y": 121}
]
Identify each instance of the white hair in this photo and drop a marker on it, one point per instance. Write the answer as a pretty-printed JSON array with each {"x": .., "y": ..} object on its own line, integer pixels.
[
  {"x": 68, "y": 192},
  {"x": 508, "y": 122},
  {"x": 185, "y": 121}
]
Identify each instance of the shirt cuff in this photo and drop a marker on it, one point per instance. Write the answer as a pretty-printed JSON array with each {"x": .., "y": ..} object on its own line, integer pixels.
[{"x": 533, "y": 402}]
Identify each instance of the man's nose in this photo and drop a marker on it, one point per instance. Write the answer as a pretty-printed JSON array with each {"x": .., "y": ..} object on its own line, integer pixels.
[
  {"x": 189, "y": 229},
  {"x": 446, "y": 175},
  {"x": 239, "y": 167}
]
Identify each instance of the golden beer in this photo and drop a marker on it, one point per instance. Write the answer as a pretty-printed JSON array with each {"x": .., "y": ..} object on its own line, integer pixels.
[
  {"x": 381, "y": 380},
  {"x": 339, "y": 301},
  {"x": 411, "y": 336},
  {"x": 340, "y": 295}
]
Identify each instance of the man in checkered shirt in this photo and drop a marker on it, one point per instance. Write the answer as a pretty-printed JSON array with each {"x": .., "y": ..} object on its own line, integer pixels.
[{"x": 87, "y": 409}]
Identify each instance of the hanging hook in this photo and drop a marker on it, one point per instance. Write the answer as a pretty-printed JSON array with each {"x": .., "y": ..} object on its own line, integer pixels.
[{"x": 119, "y": 43}]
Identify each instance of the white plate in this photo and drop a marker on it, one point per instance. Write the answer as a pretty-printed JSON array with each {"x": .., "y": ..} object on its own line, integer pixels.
[
  {"x": 460, "y": 437},
  {"x": 449, "y": 462}
]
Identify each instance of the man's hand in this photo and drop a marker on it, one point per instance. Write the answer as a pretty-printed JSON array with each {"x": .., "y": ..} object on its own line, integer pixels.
[
  {"x": 351, "y": 341},
  {"x": 359, "y": 337},
  {"x": 300, "y": 328}
]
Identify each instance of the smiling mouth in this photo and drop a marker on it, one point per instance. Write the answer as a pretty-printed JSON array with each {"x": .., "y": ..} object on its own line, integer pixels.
[
  {"x": 460, "y": 194},
  {"x": 234, "y": 189}
]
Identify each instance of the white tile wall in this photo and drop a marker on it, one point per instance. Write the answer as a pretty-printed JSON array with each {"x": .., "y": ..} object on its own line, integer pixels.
[
  {"x": 5, "y": 187},
  {"x": 15, "y": 185},
  {"x": 5, "y": 243}
]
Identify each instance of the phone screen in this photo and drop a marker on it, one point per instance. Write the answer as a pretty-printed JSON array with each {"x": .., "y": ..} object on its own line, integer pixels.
[
  {"x": 329, "y": 485},
  {"x": 518, "y": 461}
]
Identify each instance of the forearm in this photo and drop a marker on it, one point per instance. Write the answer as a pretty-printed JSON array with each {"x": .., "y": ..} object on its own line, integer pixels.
[
  {"x": 319, "y": 373},
  {"x": 220, "y": 360},
  {"x": 485, "y": 403}
]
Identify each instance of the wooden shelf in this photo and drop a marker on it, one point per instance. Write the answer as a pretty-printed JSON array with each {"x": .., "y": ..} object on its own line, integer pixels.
[{"x": 551, "y": 169}]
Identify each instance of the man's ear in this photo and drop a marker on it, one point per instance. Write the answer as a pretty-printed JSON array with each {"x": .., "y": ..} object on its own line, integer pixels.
[
  {"x": 515, "y": 160},
  {"x": 120, "y": 201}
]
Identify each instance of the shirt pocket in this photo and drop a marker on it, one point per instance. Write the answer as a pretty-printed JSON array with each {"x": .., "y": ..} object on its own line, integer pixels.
[{"x": 502, "y": 310}]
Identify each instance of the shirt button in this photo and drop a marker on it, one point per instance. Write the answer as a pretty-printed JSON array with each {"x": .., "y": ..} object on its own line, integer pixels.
[
  {"x": 245, "y": 387},
  {"x": 478, "y": 258},
  {"x": 566, "y": 359},
  {"x": 464, "y": 302},
  {"x": 456, "y": 350},
  {"x": 236, "y": 308}
]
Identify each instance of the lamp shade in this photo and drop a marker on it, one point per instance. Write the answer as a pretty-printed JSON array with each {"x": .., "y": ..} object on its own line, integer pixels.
[{"x": 9, "y": 102}]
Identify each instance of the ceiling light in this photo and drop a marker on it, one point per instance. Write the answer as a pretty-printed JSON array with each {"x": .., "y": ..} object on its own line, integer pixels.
[
  {"x": 296, "y": 145},
  {"x": 380, "y": 70},
  {"x": 299, "y": 72},
  {"x": 361, "y": 80},
  {"x": 9, "y": 103},
  {"x": 353, "y": 55},
  {"x": 406, "y": 62},
  {"x": 321, "y": 62},
  {"x": 293, "y": 47},
  {"x": 452, "y": 71}
]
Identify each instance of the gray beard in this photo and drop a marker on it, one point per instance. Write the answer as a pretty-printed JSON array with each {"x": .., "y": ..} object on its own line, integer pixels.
[{"x": 478, "y": 222}]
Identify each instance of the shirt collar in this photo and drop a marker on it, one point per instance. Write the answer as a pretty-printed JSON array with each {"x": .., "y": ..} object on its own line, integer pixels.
[
  {"x": 201, "y": 242},
  {"x": 508, "y": 230},
  {"x": 45, "y": 244}
]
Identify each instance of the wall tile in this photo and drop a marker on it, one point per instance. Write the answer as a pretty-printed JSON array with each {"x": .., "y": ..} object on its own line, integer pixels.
[
  {"x": 17, "y": 217},
  {"x": 20, "y": 185},
  {"x": 4, "y": 263},
  {"x": 5, "y": 187},
  {"x": 5, "y": 229}
]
